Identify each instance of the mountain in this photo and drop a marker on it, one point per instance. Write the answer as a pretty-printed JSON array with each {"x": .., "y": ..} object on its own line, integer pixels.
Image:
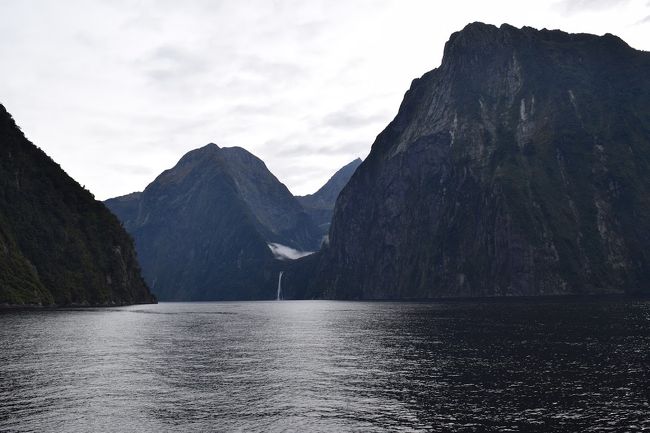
[
  {"x": 204, "y": 228},
  {"x": 520, "y": 166},
  {"x": 320, "y": 205},
  {"x": 58, "y": 245}
]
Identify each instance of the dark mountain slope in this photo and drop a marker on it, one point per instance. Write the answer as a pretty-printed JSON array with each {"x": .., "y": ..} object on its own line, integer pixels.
[
  {"x": 320, "y": 205},
  {"x": 202, "y": 228},
  {"x": 126, "y": 207},
  {"x": 521, "y": 166},
  {"x": 282, "y": 218},
  {"x": 57, "y": 243}
]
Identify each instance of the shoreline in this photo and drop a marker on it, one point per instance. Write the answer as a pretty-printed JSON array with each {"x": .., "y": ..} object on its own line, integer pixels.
[
  {"x": 446, "y": 300},
  {"x": 74, "y": 306}
]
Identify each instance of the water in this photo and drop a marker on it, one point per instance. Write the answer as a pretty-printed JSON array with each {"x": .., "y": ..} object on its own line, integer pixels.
[{"x": 328, "y": 366}]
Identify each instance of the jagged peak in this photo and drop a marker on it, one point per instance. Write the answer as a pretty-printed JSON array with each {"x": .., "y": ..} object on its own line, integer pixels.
[
  {"x": 210, "y": 147},
  {"x": 479, "y": 47},
  {"x": 207, "y": 154},
  {"x": 478, "y": 37},
  {"x": 201, "y": 152}
]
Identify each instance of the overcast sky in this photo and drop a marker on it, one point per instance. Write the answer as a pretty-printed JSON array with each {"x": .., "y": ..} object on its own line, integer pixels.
[{"x": 116, "y": 91}]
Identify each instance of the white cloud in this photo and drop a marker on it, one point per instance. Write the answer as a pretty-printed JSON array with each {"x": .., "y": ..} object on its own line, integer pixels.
[
  {"x": 117, "y": 91},
  {"x": 576, "y": 6},
  {"x": 283, "y": 252}
]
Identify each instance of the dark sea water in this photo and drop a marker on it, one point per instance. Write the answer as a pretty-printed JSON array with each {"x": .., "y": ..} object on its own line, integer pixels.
[{"x": 328, "y": 366}]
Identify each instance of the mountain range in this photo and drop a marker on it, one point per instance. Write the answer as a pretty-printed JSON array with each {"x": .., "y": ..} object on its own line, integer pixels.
[
  {"x": 218, "y": 225},
  {"x": 519, "y": 167}
]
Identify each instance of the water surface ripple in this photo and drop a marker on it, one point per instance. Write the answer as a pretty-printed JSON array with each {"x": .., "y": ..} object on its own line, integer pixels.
[{"x": 328, "y": 366}]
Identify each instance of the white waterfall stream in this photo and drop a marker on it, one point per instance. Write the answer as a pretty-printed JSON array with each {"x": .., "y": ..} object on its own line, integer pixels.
[{"x": 279, "y": 296}]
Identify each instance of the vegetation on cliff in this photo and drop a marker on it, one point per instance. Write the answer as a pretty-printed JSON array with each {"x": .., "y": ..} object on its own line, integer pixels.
[{"x": 58, "y": 245}]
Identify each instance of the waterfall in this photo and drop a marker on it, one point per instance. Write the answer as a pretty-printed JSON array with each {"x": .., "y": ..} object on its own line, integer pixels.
[{"x": 279, "y": 296}]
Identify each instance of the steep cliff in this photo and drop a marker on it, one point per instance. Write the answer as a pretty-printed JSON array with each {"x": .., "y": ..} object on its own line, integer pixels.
[
  {"x": 58, "y": 245},
  {"x": 520, "y": 166}
]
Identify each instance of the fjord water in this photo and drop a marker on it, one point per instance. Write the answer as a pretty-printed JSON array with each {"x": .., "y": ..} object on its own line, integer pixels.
[{"x": 545, "y": 365}]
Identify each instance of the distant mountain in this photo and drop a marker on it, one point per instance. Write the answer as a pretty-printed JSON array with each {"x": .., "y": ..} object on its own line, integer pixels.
[
  {"x": 320, "y": 205},
  {"x": 520, "y": 166},
  {"x": 205, "y": 228},
  {"x": 58, "y": 245}
]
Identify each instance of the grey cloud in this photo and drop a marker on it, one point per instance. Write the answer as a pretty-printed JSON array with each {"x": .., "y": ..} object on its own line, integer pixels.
[
  {"x": 577, "y": 6},
  {"x": 254, "y": 76},
  {"x": 347, "y": 119},
  {"x": 170, "y": 62},
  {"x": 645, "y": 20},
  {"x": 201, "y": 6},
  {"x": 87, "y": 40},
  {"x": 270, "y": 71},
  {"x": 137, "y": 170},
  {"x": 296, "y": 82},
  {"x": 106, "y": 124},
  {"x": 141, "y": 21},
  {"x": 305, "y": 31},
  {"x": 288, "y": 149},
  {"x": 251, "y": 109},
  {"x": 354, "y": 147},
  {"x": 299, "y": 173}
]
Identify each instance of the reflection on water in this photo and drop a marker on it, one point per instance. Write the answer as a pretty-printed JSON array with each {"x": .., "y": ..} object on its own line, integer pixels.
[{"x": 328, "y": 366}]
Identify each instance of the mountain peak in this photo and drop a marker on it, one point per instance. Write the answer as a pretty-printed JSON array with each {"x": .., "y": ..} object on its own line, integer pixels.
[
  {"x": 203, "y": 227},
  {"x": 209, "y": 148},
  {"x": 479, "y": 40},
  {"x": 200, "y": 152}
]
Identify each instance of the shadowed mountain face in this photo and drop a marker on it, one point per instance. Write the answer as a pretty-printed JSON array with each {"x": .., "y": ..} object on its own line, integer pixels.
[
  {"x": 281, "y": 217},
  {"x": 58, "y": 245},
  {"x": 320, "y": 205},
  {"x": 202, "y": 228},
  {"x": 521, "y": 166}
]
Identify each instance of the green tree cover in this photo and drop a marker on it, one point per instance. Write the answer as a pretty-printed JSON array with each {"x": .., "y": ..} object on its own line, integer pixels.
[{"x": 58, "y": 245}]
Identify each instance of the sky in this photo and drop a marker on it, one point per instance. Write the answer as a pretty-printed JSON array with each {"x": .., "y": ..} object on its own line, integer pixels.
[{"x": 117, "y": 91}]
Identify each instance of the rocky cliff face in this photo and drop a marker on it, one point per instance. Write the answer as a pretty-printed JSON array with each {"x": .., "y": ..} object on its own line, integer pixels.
[
  {"x": 320, "y": 205},
  {"x": 58, "y": 245},
  {"x": 202, "y": 228},
  {"x": 520, "y": 166}
]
